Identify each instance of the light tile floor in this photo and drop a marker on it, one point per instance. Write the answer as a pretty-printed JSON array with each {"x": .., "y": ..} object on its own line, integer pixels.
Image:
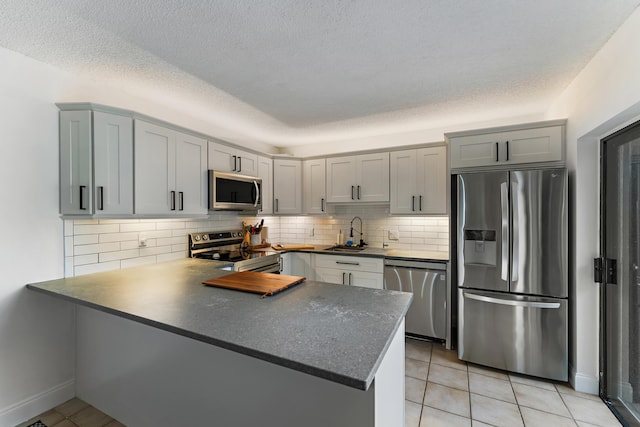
[
  {"x": 74, "y": 413},
  {"x": 441, "y": 390}
]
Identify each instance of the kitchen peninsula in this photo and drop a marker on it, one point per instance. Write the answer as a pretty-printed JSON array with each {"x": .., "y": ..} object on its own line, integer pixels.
[{"x": 156, "y": 347}]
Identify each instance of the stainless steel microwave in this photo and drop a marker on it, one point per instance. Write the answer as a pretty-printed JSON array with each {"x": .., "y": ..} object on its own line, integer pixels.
[{"x": 230, "y": 191}]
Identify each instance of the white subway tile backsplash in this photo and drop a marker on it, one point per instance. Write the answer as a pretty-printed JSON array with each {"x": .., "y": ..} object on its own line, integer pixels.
[
  {"x": 155, "y": 250},
  {"x": 141, "y": 226},
  {"x": 130, "y": 244},
  {"x": 95, "y": 228},
  {"x": 96, "y": 268},
  {"x": 118, "y": 237},
  {"x": 85, "y": 259},
  {"x": 85, "y": 239},
  {"x": 95, "y": 249},
  {"x": 112, "y": 256}
]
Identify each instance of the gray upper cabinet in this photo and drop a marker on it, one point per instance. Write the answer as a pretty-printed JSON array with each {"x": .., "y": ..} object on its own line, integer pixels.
[
  {"x": 170, "y": 171},
  {"x": 501, "y": 147},
  {"x": 96, "y": 163},
  {"x": 314, "y": 184},
  {"x": 419, "y": 181},
  {"x": 230, "y": 159},
  {"x": 265, "y": 172},
  {"x": 287, "y": 187},
  {"x": 357, "y": 179}
]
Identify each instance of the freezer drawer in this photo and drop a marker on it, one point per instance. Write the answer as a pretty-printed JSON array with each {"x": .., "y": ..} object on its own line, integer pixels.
[
  {"x": 515, "y": 333},
  {"x": 427, "y": 315}
]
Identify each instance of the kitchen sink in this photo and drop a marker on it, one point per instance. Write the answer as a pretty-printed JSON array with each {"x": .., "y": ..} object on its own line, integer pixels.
[{"x": 343, "y": 248}]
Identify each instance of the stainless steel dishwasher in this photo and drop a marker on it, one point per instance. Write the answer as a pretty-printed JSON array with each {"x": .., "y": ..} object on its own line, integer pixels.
[{"x": 427, "y": 315}]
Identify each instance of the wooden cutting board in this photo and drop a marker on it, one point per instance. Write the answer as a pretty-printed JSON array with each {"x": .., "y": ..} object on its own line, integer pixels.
[
  {"x": 280, "y": 247},
  {"x": 258, "y": 283}
]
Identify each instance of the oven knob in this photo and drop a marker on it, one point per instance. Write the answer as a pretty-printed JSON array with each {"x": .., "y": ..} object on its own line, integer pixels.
[
  {"x": 196, "y": 238},
  {"x": 205, "y": 237}
]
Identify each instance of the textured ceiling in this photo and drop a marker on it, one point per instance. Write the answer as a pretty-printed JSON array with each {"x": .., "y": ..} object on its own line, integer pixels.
[{"x": 295, "y": 65}]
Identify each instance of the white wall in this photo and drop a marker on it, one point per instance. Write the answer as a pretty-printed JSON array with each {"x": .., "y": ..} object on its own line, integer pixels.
[{"x": 604, "y": 97}]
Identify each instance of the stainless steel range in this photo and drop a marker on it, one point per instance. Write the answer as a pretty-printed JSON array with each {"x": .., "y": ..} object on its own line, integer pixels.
[{"x": 230, "y": 246}]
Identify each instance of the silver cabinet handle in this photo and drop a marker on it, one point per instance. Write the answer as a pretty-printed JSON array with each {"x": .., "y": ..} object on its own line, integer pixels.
[
  {"x": 343, "y": 274},
  {"x": 181, "y": 196},
  {"x": 347, "y": 263},
  {"x": 531, "y": 304},
  {"x": 358, "y": 192},
  {"x": 100, "y": 198},
  {"x": 413, "y": 203},
  {"x": 235, "y": 163},
  {"x": 239, "y": 164},
  {"x": 277, "y": 206},
  {"x": 497, "y": 151},
  {"x": 504, "y": 205},
  {"x": 352, "y": 188},
  {"x": 255, "y": 183},
  {"x": 350, "y": 279},
  {"x": 420, "y": 204},
  {"x": 83, "y": 188},
  {"x": 173, "y": 200},
  {"x": 507, "y": 151}
]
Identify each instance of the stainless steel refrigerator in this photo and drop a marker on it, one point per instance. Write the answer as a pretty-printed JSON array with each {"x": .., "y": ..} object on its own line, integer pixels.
[{"x": 512, "y": 271}]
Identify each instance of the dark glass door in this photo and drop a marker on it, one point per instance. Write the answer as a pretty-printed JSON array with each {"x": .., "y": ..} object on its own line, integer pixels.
[{"x": 620, "y": 291}]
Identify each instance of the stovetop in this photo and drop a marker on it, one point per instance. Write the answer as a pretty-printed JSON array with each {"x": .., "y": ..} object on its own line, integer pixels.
[{"x": 227, "y": 246}]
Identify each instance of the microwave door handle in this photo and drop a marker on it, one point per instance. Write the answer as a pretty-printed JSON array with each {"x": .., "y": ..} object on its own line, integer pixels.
[{"x": 257, "y": 194}]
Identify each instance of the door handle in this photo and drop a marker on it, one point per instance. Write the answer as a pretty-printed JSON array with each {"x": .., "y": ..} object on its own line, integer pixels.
[
  {"x": 420, "y": 203},
  {"x": 343, "y": 274},
  {"x": 413, "y": 203},
  {"x": 255, "y": 183},
  {"x": 322, "y": 204},
  {"x": 515, "y": 215},
  {"x": 277, "y": 206},
  {"x": 514, "y": 303},
  {"x": 100, "y": 198},
  {"x": 181, "y": 195},
  {"x": 507, "y": 151},
  {"x": 350, "y": 279},
  {"x": 347, "y": 263},
  {"x": 497, "y": 152},
  {"x": 82, "y": 190},
  {"x": 173, "y": 200},
  {"x": 504, "y": 205},
  {"x": 240, "y": 163},
  {"x": 352, "y": 188},
  {"x": 235, "y": 163},
  {"x": 358, "y": 192}
]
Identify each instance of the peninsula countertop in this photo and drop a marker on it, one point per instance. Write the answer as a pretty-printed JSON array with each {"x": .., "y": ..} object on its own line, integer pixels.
[{"x": 339, "y": 333}]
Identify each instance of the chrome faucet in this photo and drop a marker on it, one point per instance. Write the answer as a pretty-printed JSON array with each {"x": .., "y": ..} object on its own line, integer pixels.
[{"x": 362, "y": 243}]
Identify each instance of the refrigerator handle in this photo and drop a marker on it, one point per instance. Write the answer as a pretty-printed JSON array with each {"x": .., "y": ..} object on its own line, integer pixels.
[
  {"x": 504, "y": 205},
  {"x": 515, "y": 257},
  {"x": 530, "y": 304}
]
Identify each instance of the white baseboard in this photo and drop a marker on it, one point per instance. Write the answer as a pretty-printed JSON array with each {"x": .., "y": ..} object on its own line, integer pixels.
[
  {"x": 584, "y": 383},
  {"x": 30, "y": 407}
]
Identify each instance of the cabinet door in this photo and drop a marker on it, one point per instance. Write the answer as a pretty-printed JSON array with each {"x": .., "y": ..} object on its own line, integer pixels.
[
  {"x": 332, "y": 275},
  {"x": 366, "y": 279},
  {"x": 297, "y": 264},
  {"x": 222, "y": 157},
  {"x": 474, "y": 150},
  {"x": 247, "y": 163},
  {"x": 403, "y": 182},
  {"x": 314, "y": 182},
  {"x": 372, "y": 177},
  {"x": 154, "y": 161},
  {"x": 75, "y": 162},
  {"x": 341, "y": 179},
  {"x": 287, "y": 186},
  {"x": 113, "y": 164},
  {"x": 534, "y": 145},
  {"x": 432, "y": 180},
  {"x": 265, "y": 171},
  {"x": 191, "y": 175}
]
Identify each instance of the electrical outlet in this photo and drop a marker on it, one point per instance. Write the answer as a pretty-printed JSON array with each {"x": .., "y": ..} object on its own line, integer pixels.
[
  {"x": 142, "y": 240},
  {"x": 312, "y": 232},
  {"x": 393, "y": 235}
]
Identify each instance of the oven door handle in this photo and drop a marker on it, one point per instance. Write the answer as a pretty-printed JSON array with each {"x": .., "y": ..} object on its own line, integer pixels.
[{"x": 271, "y": 268}]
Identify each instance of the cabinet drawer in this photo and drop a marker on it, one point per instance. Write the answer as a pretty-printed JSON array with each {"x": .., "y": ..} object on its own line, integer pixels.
[{"x": 351, "y": 263}]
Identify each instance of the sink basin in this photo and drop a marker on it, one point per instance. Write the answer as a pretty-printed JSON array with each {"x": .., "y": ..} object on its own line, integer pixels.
[{"x": 343, "y": 248}]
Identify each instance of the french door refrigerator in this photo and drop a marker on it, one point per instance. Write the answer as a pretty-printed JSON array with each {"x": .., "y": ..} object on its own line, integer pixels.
[{"x": 512, "y": 271}]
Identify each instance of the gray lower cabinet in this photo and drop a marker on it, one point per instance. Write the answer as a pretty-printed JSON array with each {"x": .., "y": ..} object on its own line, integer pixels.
[{"x": 96, "y": 163}]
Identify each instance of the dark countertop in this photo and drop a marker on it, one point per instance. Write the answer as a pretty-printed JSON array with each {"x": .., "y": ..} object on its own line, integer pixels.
[{"x": 340, "y": 333}]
